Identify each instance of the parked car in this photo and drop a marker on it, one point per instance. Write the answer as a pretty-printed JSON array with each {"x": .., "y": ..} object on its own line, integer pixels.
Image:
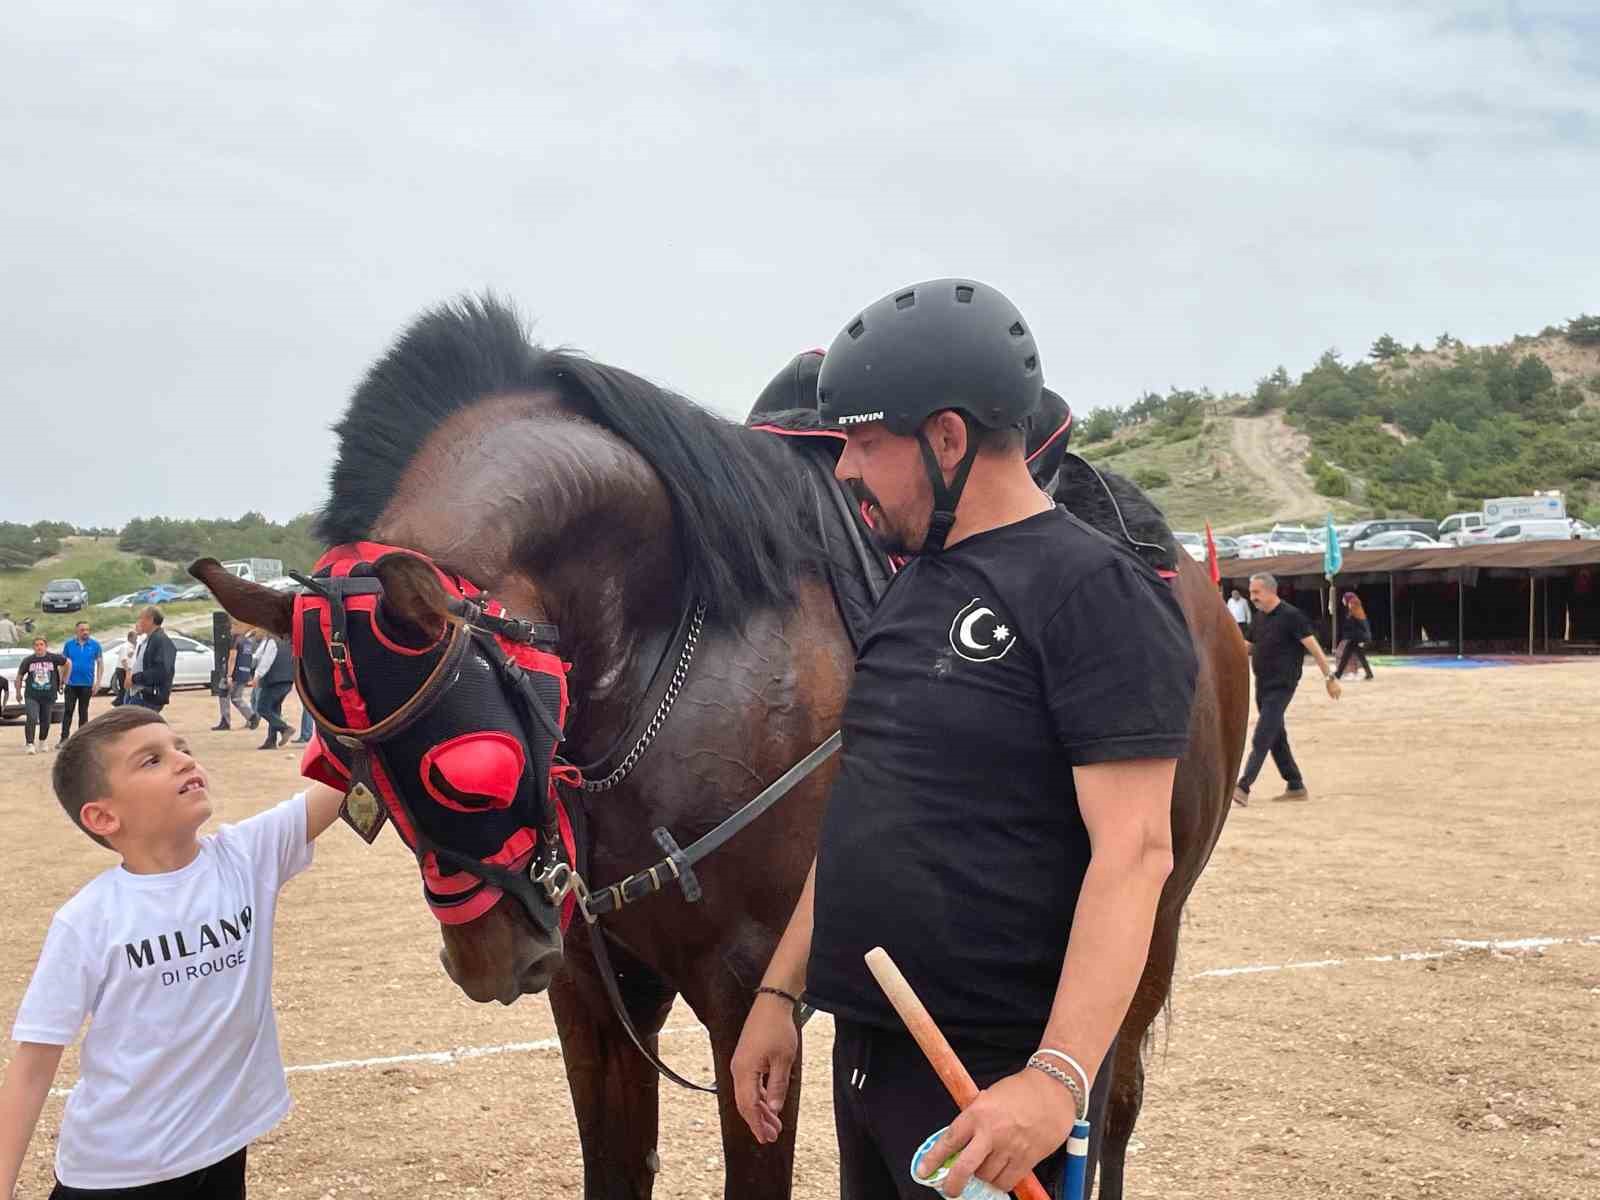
[
  {"x": 195, "y": 591},
  {"x": 122, "y": 601},
  {"x": 1252, "y": 545},
  {"x": 284, "y": 583},
  {"x": 63, "y": 595},
  {"x": 1361, "y": 530},
  {"x": 193, "y": 663},
  {"x": 10, "y": 659},
  {"x": 161, "y": 593},
  {"x": 1455, "y": 528},
  {"x": 1550, "y": 530},
  {"x": 1227, "y": 547},
  {"x": 1284, "y": 539},
  {"x": 1192, "y": 543},
  {"x": 1399, "y": 539}
]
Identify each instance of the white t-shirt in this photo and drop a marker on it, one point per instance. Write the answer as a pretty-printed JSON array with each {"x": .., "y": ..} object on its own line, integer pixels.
[
  {"x": 180, "y": 1066},
  {"x": 1240, "y": 608},
  {"x": 125, "y": 654}
]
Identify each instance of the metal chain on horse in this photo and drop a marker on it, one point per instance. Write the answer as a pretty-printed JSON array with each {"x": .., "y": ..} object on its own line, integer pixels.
[{"x": 679, "y": 674}]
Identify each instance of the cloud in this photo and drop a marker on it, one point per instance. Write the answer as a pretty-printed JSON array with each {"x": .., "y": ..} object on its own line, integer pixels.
[{"x": 216, "y": 221}]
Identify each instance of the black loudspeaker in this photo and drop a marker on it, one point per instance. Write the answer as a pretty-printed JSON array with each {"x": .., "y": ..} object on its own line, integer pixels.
[{"x": 221, "y": 640}]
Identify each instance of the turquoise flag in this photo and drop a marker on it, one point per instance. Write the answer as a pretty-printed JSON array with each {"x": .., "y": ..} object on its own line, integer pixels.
[{"x": 1332, "y": 553}]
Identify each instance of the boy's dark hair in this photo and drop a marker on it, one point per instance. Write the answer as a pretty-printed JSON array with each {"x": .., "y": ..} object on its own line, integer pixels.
[{"x": 79, "y": 772}]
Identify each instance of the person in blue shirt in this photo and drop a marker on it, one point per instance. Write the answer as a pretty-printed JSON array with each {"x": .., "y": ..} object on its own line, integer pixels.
[{"x": 83, "y": 652}]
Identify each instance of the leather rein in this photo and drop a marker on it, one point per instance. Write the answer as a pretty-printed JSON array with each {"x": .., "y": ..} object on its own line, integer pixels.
[{"x": 559, "y": 878}]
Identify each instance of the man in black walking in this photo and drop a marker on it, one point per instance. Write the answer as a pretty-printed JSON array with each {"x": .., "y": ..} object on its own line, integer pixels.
[
  {"x": 274, "y": 675},
  {"x": 152, "y": 682},
  {"x": 1280, "y": 636}
]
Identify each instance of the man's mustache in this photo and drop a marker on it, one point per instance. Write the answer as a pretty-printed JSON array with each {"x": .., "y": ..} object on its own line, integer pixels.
[{"x": 862, "y": 493}]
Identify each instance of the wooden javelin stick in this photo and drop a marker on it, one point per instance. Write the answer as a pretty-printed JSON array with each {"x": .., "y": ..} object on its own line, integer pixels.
[{"x": 941, "y": 1056}]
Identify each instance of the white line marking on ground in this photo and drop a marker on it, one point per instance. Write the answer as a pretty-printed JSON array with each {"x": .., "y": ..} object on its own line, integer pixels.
[
  {"x": 466, "y": 1053},
  {"x": 1456, "y": 946}
]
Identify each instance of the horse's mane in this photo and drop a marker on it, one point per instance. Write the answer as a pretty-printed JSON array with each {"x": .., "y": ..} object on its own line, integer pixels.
[
  {"x": 742, "y": 523},
  {"x": 1085, "y": 498}
]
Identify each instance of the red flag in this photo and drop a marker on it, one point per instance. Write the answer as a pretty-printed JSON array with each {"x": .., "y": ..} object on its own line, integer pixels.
[{"x": 1211, "y": 556}]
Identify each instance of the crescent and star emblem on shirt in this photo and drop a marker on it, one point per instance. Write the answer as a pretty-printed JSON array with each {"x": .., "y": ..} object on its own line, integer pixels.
[{"x": 978, "y": 635}]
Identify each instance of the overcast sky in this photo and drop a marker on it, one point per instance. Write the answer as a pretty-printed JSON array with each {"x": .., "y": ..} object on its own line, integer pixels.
[{"x": 214, "y": 220}]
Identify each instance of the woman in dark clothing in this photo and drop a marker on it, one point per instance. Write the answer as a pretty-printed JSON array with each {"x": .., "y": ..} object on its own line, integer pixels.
[{"x": 1358, "y": 632}]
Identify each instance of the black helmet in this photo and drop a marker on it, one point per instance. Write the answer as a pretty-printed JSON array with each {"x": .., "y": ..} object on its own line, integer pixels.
[{"x": 944, "y": 344}]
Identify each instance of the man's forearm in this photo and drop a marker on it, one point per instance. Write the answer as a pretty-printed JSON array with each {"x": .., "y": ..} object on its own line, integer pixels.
[
  {"x": 1315, "y": 647},
  {"x": 1106, "y": 953},
  {"x": 787, "y": 970}
]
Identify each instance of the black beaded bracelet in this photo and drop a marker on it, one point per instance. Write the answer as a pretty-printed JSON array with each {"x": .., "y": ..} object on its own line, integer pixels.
[{"x": 775, "y": 991}]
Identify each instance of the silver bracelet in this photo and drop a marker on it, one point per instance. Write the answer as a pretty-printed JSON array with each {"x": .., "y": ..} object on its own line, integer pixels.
[
  {"x": 1079, "y": 1103},
  {"x": 1077, "y": 1066}
]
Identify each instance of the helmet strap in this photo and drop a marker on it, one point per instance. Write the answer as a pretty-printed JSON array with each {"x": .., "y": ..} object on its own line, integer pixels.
[{"x": 946, "y": 496}]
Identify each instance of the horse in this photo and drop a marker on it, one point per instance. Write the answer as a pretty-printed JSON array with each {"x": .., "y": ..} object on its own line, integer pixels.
[{"x": 673, "y": 558}]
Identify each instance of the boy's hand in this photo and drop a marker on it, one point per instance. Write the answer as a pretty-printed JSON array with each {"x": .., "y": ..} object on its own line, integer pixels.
[
  {"x": 22, "y": 1096},
  {"x": 322, "y": 809}
]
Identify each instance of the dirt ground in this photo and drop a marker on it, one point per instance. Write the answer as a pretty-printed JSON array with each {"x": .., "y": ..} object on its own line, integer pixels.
[{"x": 1448, "y": 804}]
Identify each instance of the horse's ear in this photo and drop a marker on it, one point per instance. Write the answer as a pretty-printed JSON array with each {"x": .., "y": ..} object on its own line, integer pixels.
[
  {"x": 413, "y": 598},
  {"x": 246, "y": 601}
]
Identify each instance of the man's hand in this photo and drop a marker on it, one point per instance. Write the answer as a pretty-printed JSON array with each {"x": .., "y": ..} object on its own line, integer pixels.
[
  {"x": 1005, "y": 1132},
  {"x": 762, "y": 1064},
  {"x": 1334, "y": 688}
]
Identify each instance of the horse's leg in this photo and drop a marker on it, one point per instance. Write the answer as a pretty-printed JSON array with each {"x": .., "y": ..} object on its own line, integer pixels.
[
  {"x": 1127, "y": 1069},
  {"x": 613, "y": 1087},
  {"x": 722, "y": 1002}
]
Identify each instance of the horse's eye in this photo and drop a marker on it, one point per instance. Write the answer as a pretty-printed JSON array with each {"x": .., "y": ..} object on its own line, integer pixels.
[{"x": 475, "y": 772}]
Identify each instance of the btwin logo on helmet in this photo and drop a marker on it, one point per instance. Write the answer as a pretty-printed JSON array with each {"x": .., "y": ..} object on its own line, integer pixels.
[
  {"x": 861, "y": 418},
  {"x": 978, "y": 635}
]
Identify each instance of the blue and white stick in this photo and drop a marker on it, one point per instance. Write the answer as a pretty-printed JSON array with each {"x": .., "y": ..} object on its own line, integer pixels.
[{"x": 1077, "y": 1168}]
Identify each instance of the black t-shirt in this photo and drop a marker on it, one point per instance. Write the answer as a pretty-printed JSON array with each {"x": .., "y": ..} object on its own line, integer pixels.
[
  {"x": 44, "y": 673},
  {"x": 1276, "y": 652},
  {"x": 952, "y": 835}
]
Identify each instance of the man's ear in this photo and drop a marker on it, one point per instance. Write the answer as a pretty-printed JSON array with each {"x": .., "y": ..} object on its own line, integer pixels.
[
  {"x": 948, "y": 436},
  {"x": 99, "y": 819}
]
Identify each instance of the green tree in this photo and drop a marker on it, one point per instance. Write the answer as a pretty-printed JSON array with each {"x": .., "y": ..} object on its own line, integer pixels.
[
  {"x": 1100, "y": 426},
  {"x": 1584, "y": 330},
  {"x": 1385, "y": 348},
  {"x": 1531, "y": 377}
]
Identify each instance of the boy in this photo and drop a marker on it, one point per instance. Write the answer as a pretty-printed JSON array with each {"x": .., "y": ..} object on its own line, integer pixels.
[
  {"x": 172, "y": 952},
  {"x": 40, "y": 677}
]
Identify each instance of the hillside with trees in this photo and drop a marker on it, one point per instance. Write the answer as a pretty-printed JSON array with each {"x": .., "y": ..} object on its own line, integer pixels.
[
  {"x": 1421, "y": 431},
  {"x": 1430, "y": 432}
]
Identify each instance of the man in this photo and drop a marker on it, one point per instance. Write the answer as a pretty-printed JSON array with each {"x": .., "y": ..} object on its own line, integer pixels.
[
  {"x": 1001, "y": 820},
  {"x": 274, "y": 676},
  {"x": 84, "y": 681},
  {"x": 1280, "y": 636},
  {"x": 121, "y": 682},
  {"x": 236, "y": 680},
  {"x": 8, "y": 630},
  {"x": 1239, "y": 610},
  {"x": 40, "y": 677},
  {"x": 155, "y": 662}
]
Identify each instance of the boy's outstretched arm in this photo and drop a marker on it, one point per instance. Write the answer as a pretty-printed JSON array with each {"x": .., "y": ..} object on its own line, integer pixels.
[
  {"x": 22, "y": 1096},
  {"x": 322, "y": 806}
]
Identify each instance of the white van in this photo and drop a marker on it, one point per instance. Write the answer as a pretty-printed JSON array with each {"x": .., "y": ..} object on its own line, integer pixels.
[
  {"x": 1454, "y": 529},
  {"x": 1524, "y": 531}
]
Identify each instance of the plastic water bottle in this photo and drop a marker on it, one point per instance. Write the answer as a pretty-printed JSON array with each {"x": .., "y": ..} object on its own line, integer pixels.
[{"x": 976, "y": 1188}]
